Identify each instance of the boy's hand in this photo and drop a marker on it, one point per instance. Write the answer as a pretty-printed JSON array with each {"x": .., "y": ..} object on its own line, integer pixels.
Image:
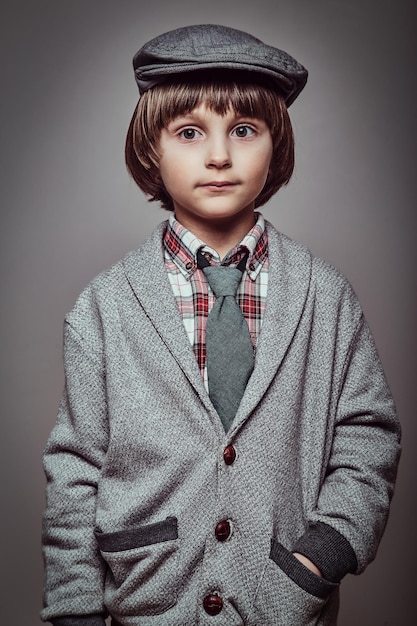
[{"x": 309, "y": 564}]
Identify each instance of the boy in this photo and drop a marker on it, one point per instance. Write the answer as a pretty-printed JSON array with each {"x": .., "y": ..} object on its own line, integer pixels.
[{"x": 172, "y": 499}]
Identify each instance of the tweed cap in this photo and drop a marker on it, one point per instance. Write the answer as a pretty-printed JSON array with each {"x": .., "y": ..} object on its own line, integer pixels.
[{"x": 209, "y": 47}]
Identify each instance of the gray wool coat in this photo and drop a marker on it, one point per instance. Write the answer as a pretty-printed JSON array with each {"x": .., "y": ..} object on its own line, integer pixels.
[{"x": 138, "y": 477}]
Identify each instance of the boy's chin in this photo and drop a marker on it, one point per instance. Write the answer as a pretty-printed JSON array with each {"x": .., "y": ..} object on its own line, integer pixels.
[{"x": 216, "y": 212}]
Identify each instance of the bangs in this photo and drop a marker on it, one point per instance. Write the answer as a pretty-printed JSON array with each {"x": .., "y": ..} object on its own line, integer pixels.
[{"x": 244, "y": 99}]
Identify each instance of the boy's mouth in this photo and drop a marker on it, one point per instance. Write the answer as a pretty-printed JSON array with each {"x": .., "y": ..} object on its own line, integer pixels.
[{"x": 218, "y": 184}]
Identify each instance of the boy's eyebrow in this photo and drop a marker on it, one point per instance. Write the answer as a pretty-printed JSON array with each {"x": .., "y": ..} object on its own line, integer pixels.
[
  {"x": 195, "y": 115},
  {"x": 184, "y": 116}
]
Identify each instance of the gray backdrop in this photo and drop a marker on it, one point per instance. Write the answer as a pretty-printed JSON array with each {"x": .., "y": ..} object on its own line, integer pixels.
[{"x": 69, "y": 210}]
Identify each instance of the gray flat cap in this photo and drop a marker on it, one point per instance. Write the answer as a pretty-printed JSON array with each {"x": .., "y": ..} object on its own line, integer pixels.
[{"x": 210, "y": 47}]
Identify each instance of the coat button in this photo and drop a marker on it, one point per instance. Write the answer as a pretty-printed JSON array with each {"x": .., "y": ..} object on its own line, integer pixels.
[
  {"x": 229, "y": 455},
  {"x": 222, "y": 530},
  {"x": 213, "y": 604}
]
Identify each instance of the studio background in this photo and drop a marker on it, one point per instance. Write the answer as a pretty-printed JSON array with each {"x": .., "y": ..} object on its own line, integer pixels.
[{"x": 69, "y": 210}]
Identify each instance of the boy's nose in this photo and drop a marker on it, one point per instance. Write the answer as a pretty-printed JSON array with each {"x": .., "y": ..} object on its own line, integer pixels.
[{"x": 218, "y": 155}]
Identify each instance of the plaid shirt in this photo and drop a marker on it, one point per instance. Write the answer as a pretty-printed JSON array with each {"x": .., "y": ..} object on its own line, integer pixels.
[{"x": 193, "y": 294}]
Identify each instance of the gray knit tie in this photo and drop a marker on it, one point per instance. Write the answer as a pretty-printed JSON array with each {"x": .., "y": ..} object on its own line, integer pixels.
[{"x": 228, "y": 344}]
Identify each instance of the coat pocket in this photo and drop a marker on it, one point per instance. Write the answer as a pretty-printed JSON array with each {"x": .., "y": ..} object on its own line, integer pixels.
[
  {"x": 289, "y": 594},
  {"x": 142, "y": 564}
]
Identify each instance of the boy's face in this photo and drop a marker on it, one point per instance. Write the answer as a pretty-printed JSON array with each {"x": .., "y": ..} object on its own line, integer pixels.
[{"x": 214, "y": 166}]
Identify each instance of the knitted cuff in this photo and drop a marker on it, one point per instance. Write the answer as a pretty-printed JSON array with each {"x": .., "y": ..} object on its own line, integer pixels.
[
  {"x": 328, "y": 550},
  {"x": 79, "y": 620}
]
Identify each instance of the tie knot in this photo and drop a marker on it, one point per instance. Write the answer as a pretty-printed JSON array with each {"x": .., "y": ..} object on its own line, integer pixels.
[{"x": 223, "y": 280}]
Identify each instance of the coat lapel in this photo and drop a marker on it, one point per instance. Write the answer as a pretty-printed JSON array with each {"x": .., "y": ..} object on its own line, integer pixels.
[
  {"x": 288, "y": 285},
  {"x": 148, "y": 279}
]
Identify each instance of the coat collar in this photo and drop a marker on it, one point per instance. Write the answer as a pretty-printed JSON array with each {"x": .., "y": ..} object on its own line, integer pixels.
[
  {"x": 146, "y": 274},
  {"x": 288, "y": 285}
]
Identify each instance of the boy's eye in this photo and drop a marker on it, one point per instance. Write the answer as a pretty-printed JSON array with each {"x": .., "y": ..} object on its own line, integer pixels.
[
  {"x": 189, "y": 133},
  {"x": 243, "y": 131}
]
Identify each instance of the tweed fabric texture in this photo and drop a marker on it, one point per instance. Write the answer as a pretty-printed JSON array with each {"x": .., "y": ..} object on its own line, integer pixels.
[
  {"x": 210, "y": 47},
  {"x": 137, "y": 441},
  {"x": 89, "y": 620}
]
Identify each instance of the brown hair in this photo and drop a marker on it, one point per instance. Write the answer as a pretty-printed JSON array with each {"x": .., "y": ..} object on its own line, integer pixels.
[{"x": 160, "y": 105}]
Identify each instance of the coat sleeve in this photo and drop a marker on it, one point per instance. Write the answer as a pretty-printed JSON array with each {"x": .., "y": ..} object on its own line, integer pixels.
[
  {"x": 74, "y": 569},
  {"x": 352, "y": 509}
]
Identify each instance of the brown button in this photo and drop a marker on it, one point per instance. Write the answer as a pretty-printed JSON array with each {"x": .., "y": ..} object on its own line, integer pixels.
[
  {"x": 213, "y": 604},
  {"x": 222, "y": 530},
  {"x": 229, "y": 455},
  {"x": 252, "y": 267},
  {"x": 188, "y": 265}
]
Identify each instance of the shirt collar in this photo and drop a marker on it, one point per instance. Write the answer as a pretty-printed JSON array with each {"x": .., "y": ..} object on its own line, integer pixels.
[{"x": 182, "y": 247}]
